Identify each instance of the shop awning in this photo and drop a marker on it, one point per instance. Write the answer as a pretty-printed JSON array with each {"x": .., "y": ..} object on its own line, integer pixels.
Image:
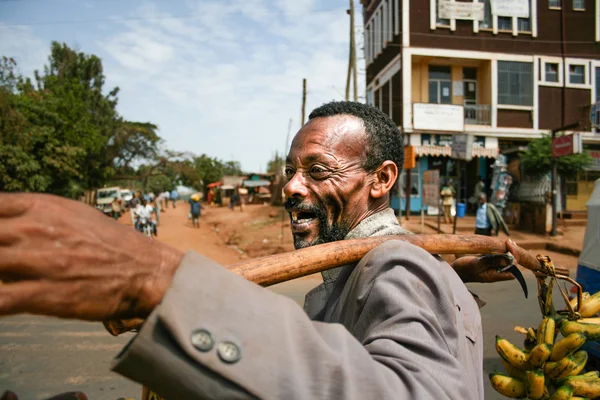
[
  {"x": 214, "y": 184},
  {"x": 255, "y": 183},
  {"x": 446, "y": 151}
]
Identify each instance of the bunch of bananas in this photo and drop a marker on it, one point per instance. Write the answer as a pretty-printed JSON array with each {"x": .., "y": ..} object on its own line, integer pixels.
[{"x": 549, "y": 368}]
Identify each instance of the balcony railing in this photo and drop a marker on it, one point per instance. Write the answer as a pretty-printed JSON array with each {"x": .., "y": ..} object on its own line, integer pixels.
[{"x": 478, "y": 114}]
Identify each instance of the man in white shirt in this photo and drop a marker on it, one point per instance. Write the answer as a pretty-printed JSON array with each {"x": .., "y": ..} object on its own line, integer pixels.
[{"x": 144, "y": 212}]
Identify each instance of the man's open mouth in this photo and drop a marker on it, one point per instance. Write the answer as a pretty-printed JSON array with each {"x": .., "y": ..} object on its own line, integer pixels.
[{"x": 302, "y": 220}]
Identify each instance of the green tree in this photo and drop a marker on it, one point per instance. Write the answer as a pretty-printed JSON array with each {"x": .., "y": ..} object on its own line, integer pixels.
[
  {"x": 537, "y": 160},
  {"x": 276, "y": 164}
]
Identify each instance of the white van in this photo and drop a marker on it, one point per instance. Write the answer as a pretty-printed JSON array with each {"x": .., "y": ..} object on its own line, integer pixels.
[{"x": 104, "y": 198}]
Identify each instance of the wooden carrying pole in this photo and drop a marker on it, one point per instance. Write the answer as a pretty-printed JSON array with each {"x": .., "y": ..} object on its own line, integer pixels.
[{"x": 269, "y": 270}]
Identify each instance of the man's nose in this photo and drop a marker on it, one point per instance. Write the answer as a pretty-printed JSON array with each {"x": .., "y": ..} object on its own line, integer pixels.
[{"x": 296, "y": 186}]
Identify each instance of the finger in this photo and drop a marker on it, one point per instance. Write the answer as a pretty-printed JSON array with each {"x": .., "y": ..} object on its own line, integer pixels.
[
  {"x": 512, "y": 248},
  {"x": 8, "y": 395},
  {"x": 21, "y": 263},
  {"x": 15, "y": 204},
  {"x": 491, "y": 276}
]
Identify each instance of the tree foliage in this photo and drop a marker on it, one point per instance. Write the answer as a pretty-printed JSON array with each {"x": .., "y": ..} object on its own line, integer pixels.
[
  {"x": 61, "y": 133},
  {"x": 537, "y": 160},
  {"x": 276, "y": 164}
]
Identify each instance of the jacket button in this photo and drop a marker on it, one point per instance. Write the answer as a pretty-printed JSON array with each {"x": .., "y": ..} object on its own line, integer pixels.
[
  {"x": 202, "y": 340},
  {"x": 229, "y": 352}
]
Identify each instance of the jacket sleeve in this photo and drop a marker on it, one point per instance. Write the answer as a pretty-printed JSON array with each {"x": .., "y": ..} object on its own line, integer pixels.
[{"x": 264, "y": 346}]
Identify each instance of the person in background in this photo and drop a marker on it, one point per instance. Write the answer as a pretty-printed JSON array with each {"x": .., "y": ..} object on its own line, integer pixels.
[
  {"x": 195, "y": 209},
  {"x": 174, "y": 197},
  {"x": 116, "y": 208},
  {"x": 158, "y": 208},
  {"x": 145, "y": 210},
  {"x": 133, "y": 203},
  {"x": 242, "y": 196},
  {"x": 479, "y": 189},
  {"x": 166, "y": 196},
  {"x": 233, "y": 199},
  {"x": 488, "y": 219},
  {"x": 447, "y": 194}
]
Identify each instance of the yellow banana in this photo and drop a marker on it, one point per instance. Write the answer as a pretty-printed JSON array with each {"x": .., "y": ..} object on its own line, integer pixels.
[
  {"x": 508, "y": 386},
  {"x": 567, "y": 345},
  {"x": 590, "y": 306},
  {"x": 562, "y": 393},
  {"x": 570, "y": 365},
  {"x": 584, "y": 386},
  {"x": 591, "y": 331},
  {"x": 539, "y": 354},
  {"x": 595, "y": 320},
  {"x": 535, "y": 384},
  {"x": 579, "y": 398},
  {"x": 512, "y": 354},
  {"x": 584, "y": 296},
  {"x": 546, "y": 331},
  {"x": 514, "y": 372}
]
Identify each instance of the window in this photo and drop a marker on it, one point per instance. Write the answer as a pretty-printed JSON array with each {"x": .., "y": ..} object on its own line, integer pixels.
[
  {"x": 515, "y": 83},
  {"x": 524, "y": 24},
  {"x": 440, "y": 21},
  {"x": 554, "y": 3},
  {"x": 370, "y": 99},
  {"x": 577, "y": 74},
  {"x": 505, "y": 23},
  {"x": 415, "y": 187},
  {"x": 440, "y": 85},
  {"x": 487, "y": 15},
  {"x": 578, "y": 4},
  {"x": 551, "y": 72}
]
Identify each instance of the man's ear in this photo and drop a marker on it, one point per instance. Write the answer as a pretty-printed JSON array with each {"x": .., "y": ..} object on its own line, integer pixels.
[{"x": 385, "y": 177}]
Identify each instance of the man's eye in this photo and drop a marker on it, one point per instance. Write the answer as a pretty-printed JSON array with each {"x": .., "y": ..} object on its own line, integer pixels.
[
  {"x": 317, "y": 171},
  {"x": 289, "y": 172}
]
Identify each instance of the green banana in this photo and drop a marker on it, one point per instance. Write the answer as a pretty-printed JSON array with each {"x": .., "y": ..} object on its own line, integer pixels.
[
  {"x": 535, "y": 384},
  {"x": 590, "y": 306},
  {"x": 512, "y": 354},
  {"x": 508, "y": 386},
  {"x": 591, "y": 331},
  {"x": 585, "y": 386},
  {"x": 539, "y": 354},
  {"x": 546, "y": 331},
  {"x": 562, "y": 393},
  {"x": 567, "y": 345}
]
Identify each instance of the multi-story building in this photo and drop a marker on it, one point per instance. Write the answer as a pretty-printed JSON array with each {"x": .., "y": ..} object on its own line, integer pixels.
[{"x": 503, "y": 71}]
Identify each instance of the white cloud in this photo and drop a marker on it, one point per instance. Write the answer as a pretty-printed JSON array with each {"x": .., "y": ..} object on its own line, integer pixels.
[{"x": 20, "y": 43}]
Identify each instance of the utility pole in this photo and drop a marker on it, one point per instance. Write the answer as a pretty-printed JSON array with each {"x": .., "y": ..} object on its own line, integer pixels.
[
  {"x": 554, "y": 175},
  {"x": 281, "y": 171},
  {"x": 352, "y": 73},
  {"x": 303, "y": 101}
]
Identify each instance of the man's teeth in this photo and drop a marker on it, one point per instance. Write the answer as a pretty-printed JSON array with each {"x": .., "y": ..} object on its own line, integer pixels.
[
  {"x": 295, "y": 216},
  {"x": 296, "y": 220}
]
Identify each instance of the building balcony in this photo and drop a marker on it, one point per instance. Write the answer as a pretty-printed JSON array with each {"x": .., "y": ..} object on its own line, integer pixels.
[
  {"x": 478, "y": 114},
  {"x": 449, "y": 117}
]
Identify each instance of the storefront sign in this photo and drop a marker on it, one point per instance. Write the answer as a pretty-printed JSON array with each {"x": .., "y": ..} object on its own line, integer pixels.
[
  {"x": 462, "y": 147},
  {"x": 431, "y": 188},
  {"x": 436, "y": 140},
  {"x": 566, "y": 145},
  {"x": 457, "y": 87},
  {"x": 410, "y": 158},
  {"x": 510, "y": 8},
  {"x": 460, "y": 10},
  {"x": 595, "y": 155},
  {"x": 438, "y": 117}
]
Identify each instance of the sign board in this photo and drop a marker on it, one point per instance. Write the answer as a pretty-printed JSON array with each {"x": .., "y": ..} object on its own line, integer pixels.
[
  {"x": 461, "y": 10},
  {"x": 510, "y": 8},
  {"x": 457, "y": 88},
  {"x": 410, "y": 158},
  {"x": 438, "y": 117},
  {"x": 595, "y": 155},
  {"x": 462, "y": 147},
  {"x": 566, "y": 145},
  {"x": 431, "y": 188}
]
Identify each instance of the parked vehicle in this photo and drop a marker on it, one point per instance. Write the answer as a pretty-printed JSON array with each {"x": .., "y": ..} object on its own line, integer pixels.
[
  {"x": 104, "y": 198},
  {"x": 126, "y": 196}
]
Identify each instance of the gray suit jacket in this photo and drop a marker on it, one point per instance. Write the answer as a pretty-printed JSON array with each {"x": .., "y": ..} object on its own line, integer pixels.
[{"x": 400, "y": 324}]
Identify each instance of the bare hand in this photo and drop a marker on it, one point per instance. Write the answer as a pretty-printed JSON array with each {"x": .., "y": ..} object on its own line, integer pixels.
[
  {"x": 63, "y": 258},
  {"x": 475, "y": 269}
]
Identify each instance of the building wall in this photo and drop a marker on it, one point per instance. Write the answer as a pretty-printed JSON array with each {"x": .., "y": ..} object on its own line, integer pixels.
[{"x": 580, "y": 27}]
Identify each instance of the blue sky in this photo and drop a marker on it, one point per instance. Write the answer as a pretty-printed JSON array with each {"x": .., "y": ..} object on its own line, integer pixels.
[{"x": 220, "y": 77}]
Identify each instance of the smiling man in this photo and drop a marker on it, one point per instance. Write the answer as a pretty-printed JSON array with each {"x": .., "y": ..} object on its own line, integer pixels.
[{"x": 398, "y": 324}]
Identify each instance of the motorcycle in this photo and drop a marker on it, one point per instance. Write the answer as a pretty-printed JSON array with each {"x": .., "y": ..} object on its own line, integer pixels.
[{"x": 145, "y": 226}]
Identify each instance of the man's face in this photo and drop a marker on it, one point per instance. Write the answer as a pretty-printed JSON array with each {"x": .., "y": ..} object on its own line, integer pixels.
[{"x": 327, "y": 190}]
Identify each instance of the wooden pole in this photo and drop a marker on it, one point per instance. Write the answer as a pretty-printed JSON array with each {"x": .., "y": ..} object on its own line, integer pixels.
[
  {"x": 287, "y": 148},
  {"x": 349, "y": 73},
  {"x": 277, "y": 268},
  {"x": 353, "y": 51},
  {"x": 303, "y": 100}
]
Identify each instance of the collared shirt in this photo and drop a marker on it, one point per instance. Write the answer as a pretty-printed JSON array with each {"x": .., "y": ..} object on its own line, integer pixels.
[{"x": 481, "y": 220}]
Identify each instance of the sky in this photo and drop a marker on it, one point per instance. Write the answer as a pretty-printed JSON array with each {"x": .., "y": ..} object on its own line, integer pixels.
[{"x": 219, "y": 77}]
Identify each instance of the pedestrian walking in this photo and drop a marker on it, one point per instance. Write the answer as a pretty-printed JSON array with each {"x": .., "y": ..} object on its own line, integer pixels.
[
  {"x": 488, "y": 219},
  {"x": 132, "y": 205},
  {"x": 174, "y": 197},
  {"x": 447, "y": 194},
  {"x": 195, "y": 209},
  {"x": 116, "y": 208},
  {"x": 158, "y": 208}
]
